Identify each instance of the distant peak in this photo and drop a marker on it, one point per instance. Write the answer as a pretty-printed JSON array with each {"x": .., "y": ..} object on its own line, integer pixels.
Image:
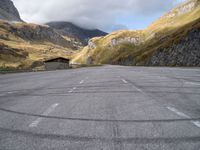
[
  {"x": 72, "y": 30},
  {"x": 8, "y": 11}
]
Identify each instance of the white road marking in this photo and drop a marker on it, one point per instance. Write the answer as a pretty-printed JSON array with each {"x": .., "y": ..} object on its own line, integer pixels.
[
  {"x": 10, "y": 92},
  {"x": 139, "y": 90},
  {"x": 46, "y": 113},
  {"x": 72, "y": 90},
  {"x": 123, "y": 80},
  {"x": 178, "y": 112},
  {"x": 82, "y": 82},
  {"x": 192, "y": 83},
  {"x": 4, "y": 94},
  {"x": 196, "y": 123}
]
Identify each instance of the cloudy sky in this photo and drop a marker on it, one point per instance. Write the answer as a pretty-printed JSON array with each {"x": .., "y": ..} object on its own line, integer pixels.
[{"x": 107, "y": 15}]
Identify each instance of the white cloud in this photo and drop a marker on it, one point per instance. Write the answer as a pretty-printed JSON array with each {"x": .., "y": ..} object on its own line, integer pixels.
[{"x": 88, "y": 13}]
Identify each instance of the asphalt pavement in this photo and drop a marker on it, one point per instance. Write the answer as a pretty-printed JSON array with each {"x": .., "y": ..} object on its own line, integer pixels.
[{"x": 101, "y": 108}]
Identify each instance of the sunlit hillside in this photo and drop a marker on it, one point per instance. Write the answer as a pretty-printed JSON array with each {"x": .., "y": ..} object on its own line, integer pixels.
[
  {"x": 136, "y": 47},
  {"x": 27, "y": 45}
]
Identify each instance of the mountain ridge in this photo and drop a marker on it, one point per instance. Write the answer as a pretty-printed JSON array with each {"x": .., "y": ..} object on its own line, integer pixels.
[
  {"x": 71, "y": 30},
  {"x": 26, "y": 45},
  {"x": 135, "y": 47}
]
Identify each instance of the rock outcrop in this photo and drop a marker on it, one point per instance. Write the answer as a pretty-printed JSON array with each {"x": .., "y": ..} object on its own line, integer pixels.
[
  {"x": 91, "y": 45},
  {"x": 8, "y": 11},
  {"x": 7, "y": 51},
  {"x": 131, "y": 40},
  {"x": 184, "y": 53},
  {"x": 189, "y": 6}
]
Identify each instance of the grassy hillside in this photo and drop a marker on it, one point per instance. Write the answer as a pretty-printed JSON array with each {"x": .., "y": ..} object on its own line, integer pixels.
[
  {"x": 26, "y": 45},
  {"x": 135, "y": 47}
]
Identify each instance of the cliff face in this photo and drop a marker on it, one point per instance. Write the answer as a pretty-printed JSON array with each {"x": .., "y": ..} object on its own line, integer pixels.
[
  {"x": 184, "y": 53},
  {"x": 8, "y": 11}
]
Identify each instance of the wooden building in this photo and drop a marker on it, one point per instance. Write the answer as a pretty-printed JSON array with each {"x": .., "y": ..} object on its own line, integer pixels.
[{"x": 57, "y": 63}]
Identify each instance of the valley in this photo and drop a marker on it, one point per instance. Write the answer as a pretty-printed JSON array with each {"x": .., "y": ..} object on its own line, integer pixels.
[{"x": 172, "y": 40}]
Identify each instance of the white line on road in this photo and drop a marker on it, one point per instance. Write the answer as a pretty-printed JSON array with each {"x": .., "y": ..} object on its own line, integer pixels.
[
  {"x": 10, "y": 92},
  {"x": 72, "y": 90},
  {"x": 178, "y": 112},
  {"x": 196, "y": 123},
  {"x": 46, "y": 113},
  {"x": 139, "y": 90},
  {"x": 7, "y": 93},
  {"x": 82, "y": 81},
  {"x": 123, "y": 80}
]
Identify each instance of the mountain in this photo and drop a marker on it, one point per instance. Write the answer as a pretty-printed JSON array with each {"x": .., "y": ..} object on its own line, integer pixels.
[
  {"x": 71, "y": 30},
  {"x": 172, "y": 40},
  {"x": 25, "y": 45},
  {"x": 8, "y": 11}
]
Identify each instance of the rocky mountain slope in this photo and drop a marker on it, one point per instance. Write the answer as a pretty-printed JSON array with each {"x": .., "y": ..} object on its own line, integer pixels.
[
  {"x": 79, "y": 34},
  {"x": 37, "y": 33},
  {"x": 8, "y": 11},
  {"x": 24, "y": 45},
  {"x": 172, "y": 40},
  {"x": 186, "y": 52}
]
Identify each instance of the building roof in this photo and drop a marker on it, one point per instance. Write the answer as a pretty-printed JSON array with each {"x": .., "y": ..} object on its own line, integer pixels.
[{"x": 57, "y": 59}]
